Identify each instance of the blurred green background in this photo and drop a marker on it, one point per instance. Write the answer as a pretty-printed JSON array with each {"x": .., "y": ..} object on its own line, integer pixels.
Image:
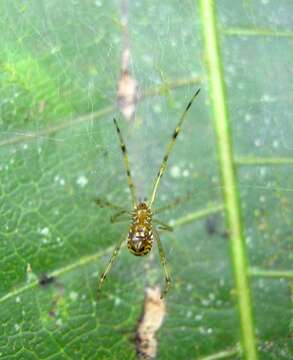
[{"x": 60, "y": 63}]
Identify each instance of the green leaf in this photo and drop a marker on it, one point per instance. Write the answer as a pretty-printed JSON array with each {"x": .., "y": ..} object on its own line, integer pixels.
[{"x": 60, "y": 63}]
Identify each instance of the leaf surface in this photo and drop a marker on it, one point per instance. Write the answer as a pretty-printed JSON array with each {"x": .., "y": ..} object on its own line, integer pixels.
[{"x": 60, "y": 64}]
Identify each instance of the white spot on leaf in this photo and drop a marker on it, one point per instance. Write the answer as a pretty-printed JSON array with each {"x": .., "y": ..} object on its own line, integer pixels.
[
  {"x": 185, "y": 173},
  {"x": 73, "y": 295},
  {"x": 45, "y": 231},
  {"x": 82, "y": 181},
  {"x": 59, "y": 180},
  {"x": 117, "y": 301},
  {"x": 175, "y": 171},
  {"x": 198, "y": 317}
]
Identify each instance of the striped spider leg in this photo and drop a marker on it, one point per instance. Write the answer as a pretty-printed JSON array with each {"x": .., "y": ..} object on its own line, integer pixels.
[{"x": 142, "y": 231}]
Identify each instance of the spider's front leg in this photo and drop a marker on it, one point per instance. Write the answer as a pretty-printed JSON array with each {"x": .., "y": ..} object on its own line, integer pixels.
[
  {"x": 103, "y": 203},
  {"x": 121, "y": 213},
  {"x": 120, "y": 216}
]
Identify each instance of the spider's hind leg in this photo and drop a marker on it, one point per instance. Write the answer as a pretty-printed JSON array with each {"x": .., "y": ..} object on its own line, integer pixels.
[
  {"x": 110, "y": 264},
  {"x": 162, "y": 225},
  {"x": 164, "y": 264}
]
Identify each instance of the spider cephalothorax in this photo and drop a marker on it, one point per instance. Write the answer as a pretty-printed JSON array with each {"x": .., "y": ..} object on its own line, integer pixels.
[{"x": 140, "y": 236}]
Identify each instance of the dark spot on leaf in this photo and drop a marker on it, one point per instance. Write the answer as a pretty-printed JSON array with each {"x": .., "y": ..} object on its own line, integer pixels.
[{"x": 45, "y": 280}]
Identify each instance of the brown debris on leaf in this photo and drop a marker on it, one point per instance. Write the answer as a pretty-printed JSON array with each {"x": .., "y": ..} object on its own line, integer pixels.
[
  {"x": 127, "y": 95},
  {"x": 152, "y": 319},
  {"x": 127, "y": 90}
]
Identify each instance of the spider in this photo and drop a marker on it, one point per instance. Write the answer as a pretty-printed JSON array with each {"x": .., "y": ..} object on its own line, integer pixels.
[{"x": 142, "y": 233}]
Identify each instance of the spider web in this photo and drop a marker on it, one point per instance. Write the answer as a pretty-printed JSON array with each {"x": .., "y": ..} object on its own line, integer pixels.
[{"x": 60, "y": 67}]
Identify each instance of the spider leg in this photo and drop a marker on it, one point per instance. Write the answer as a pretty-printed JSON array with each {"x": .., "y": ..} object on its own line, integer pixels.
[
  {"x": 102, "y": 203},
  {"x": 162, "y": 225},
  {"x": 120, "y": 216},
  {"x": 126, "y": 165},
  {"x": 116, "y": 217},
  {"x": 169, "y": 148},
  {"x": 164, "y": 264},
  {"x": 110, "y": 264},
  {"x": 177, "y": 201}
]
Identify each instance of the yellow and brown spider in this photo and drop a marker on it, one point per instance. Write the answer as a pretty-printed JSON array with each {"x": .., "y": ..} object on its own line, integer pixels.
[{"x": 142, "y": 233}]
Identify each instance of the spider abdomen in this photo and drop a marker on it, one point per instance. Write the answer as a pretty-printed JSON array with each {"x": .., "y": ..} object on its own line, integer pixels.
[{"x": 140, "y": 236}]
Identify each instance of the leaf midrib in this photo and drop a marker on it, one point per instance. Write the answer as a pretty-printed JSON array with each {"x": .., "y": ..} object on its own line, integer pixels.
[{"x": 228, "y": 175}]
